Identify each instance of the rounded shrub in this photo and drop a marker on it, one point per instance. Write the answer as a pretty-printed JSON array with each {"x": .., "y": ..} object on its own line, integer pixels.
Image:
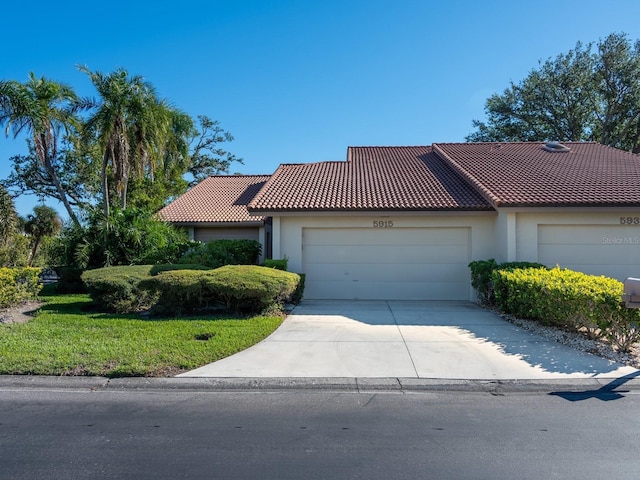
[
  {"x": 121, "y": 289},
  {"x": 236, "y": 288}
]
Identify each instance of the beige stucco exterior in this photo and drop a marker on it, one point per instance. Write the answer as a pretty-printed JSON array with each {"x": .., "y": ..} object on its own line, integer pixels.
[
  {"x": 208, "y": 233},
  {"x": 288, "y": 232},
  {"x": 596, "y": 241}
]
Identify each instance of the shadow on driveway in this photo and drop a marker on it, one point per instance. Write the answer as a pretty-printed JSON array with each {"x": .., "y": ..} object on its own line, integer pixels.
[
  {"x": 407, "y": 339},
  {"x": 468, "y": 330}
]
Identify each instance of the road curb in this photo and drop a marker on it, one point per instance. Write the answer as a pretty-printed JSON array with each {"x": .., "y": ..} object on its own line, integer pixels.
[{"x": 406, "y": 385}]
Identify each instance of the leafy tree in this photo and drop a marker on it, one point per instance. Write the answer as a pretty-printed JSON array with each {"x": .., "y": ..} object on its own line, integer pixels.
[
  {"x": 579, "y": 95},
  {"x": 133, "y": 129},
  {"x": 178, "y": 172},
  {"x": 617, "y": 76},
  {"x": 207, "y": 157},
  {"x": 76, "y": 173},
  {"x": 44, "y": 222},
  {"x": 9, "y": 220},
  {"x": 43, "y": 109}
]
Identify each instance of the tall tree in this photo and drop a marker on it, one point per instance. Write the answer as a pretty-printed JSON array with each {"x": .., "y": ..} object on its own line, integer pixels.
[
  {"x": 207, "y": 156},
  {"x": 44, "y": 222},
  {"x": 147, "y": 145},
  {"x": 132, "y": 128},
  {"x": 76, "y": 173},
  {"x": 589, "y": 93},
  {"x": 191, "y": 155},
  {"x": 44, "y": 109},
  {"x": 617, "y": 76}
]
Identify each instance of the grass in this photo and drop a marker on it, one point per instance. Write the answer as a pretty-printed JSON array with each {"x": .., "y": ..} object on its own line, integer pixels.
[{"x": 65, "y": 338}]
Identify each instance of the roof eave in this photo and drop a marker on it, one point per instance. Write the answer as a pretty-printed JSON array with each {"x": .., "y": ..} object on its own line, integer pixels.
[
  {"x": 308, "y": 211},
  {"x": 611, "y": 205},
  {"x": 250, "y": 223}
]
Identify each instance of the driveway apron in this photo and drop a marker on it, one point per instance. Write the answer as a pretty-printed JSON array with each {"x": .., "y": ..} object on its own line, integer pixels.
[{"x": 407, "y": 339}]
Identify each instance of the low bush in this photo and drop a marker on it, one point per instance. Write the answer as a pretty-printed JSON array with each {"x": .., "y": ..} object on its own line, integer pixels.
[
  {"x": 178, "y": 292},
  {"x": 482, "y": 276},
  {"x": 127, "y": 237},
  {"x": 118, "y": 289},
  {"x": 251, "y": 288},
  {"x": 218, "y": 253},
  {"x": 278, "y": 264},
  {"x": 181, "y": 289},
  {"x": 236, "y": 288},
  {"x": 18, "y": 285},
  {"x": 568, "y": 299}
]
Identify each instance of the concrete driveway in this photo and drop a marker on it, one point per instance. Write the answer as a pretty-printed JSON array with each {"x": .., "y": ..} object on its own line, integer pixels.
[{"x": 407, "y": 339}]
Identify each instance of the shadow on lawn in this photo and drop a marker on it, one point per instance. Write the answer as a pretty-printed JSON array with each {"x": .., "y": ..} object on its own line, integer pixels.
[{"x": 88, "y": 308}]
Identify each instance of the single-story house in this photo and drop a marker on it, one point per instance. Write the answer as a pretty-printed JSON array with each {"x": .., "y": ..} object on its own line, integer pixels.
[
  {"x": 216, "y": 209},
  {"x": 404, "y": 222}
]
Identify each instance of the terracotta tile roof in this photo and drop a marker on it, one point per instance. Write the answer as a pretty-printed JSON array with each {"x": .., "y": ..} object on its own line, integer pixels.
[
  {"x": 373, "y": 179},
  {"x": 525, "y": 174},
  {"x": 217, "y": 199}
]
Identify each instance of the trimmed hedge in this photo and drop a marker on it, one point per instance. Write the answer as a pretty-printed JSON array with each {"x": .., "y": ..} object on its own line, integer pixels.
[
  {"x": 178, "y": 292},
  {"x": 482, "y": 276},
  {"x": 117, "y": 289},
  {"x": 217, "y": 253},
  {"x": 236, "y": 288},
  {"x": 18, "y": 285},
  {"x": 180, "y": 289},
  {"x": 568, "y": 299}
]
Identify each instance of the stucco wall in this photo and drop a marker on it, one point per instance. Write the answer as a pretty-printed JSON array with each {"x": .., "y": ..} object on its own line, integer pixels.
[
  {"x": 287, "y": 231},
  {"x": 207, "y": 234},
  {"x": 597, "y": 242}
]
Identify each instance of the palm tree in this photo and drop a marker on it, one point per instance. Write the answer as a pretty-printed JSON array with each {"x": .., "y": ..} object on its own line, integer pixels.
[
  {"x": 43, "y": 109},
  {"x": 44, "y": 222},
  {"x": 133, "y": 128}
]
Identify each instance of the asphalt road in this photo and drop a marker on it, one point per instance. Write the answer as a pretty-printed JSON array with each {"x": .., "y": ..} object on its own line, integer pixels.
[{"x": 300, "y": 434}]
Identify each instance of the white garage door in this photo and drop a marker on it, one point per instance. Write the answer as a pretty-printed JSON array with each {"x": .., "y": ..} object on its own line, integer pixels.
[
  {"x": 390, "y": 264},
  {"x": 610, "y": 250}
]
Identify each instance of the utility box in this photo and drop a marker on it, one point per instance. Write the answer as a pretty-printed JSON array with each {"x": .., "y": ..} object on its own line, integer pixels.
[{"x": 631, "y": 295}]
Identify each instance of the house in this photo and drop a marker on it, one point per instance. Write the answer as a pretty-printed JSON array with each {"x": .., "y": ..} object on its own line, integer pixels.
[
  {"x": 404, "y": 222},
  {"x": 216, "y": 208}
]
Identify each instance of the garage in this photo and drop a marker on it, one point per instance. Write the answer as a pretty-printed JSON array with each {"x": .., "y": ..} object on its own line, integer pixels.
[
  {"x": 610, "y": 250},
  {"x": 386, "y": 263}
]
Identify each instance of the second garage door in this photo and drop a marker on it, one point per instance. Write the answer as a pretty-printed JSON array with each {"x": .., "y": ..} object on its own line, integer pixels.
[
  {"x": 610, "y": 250},
  {"x": 391, "y": 264}
]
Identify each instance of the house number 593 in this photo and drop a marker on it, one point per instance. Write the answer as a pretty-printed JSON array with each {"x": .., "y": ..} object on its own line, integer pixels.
[{"x": 382, "y": 223}]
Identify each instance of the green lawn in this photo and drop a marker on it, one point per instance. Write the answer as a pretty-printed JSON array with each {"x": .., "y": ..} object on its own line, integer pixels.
[{"x": 65, "y": 338}]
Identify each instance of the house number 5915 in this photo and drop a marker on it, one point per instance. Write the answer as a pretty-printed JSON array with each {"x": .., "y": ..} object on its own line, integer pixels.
[{"x": 382, "y": 223}]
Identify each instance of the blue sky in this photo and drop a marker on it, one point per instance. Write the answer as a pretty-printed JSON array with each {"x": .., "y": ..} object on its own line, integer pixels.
[{"x": 301, "y": 80}]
